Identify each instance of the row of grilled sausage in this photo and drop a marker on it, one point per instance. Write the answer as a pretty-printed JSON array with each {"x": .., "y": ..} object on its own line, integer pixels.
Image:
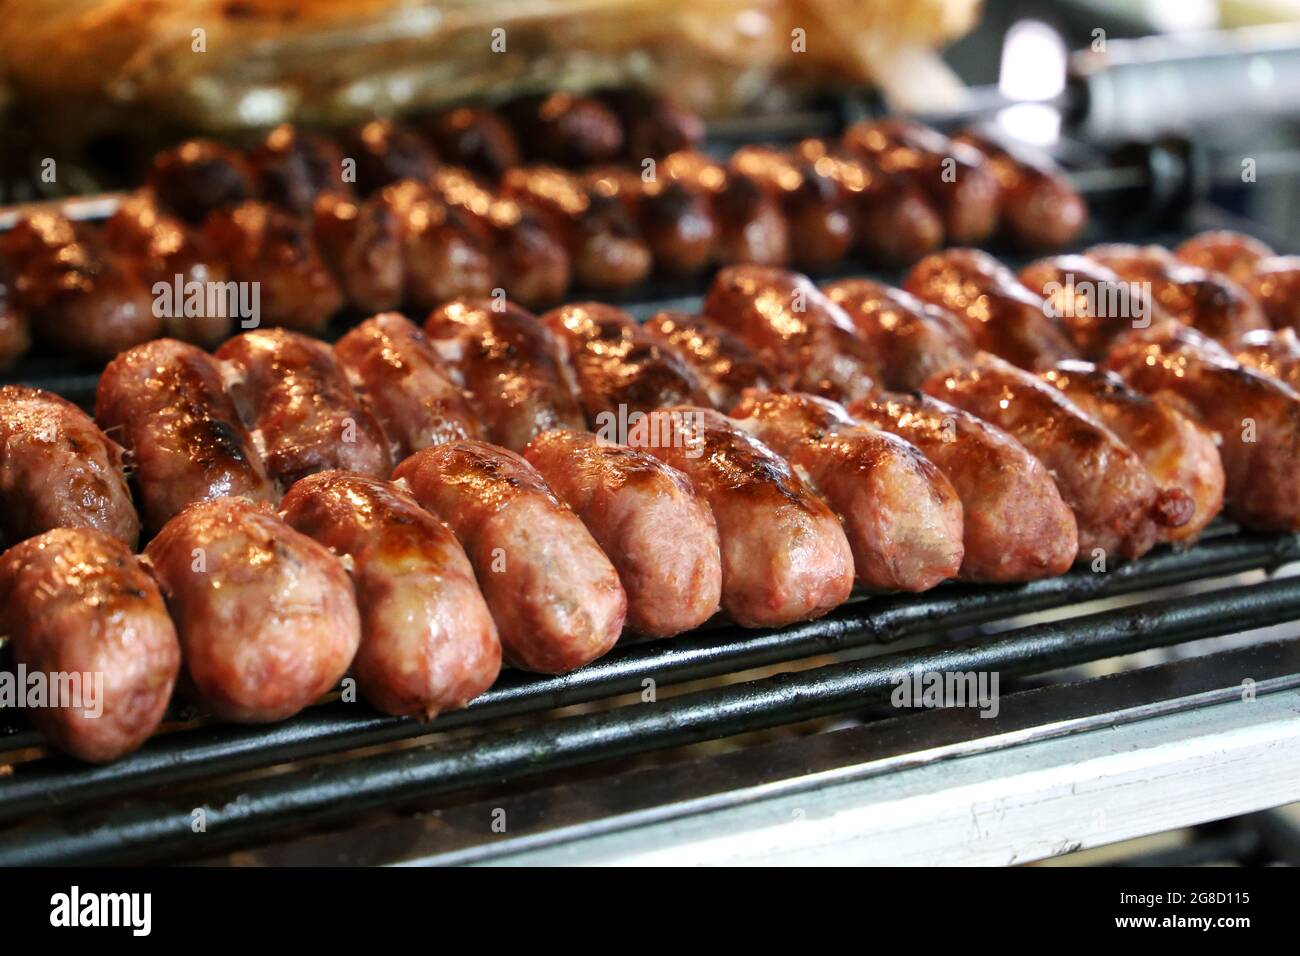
[
  {"x": 425, "y": 218},
  {"x": 989, "y": 472}
]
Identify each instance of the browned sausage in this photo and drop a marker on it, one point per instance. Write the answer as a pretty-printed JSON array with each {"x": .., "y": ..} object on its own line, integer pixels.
[
  {"x": 387, "y": 153},
  {"x": 164, "y": 248},
  {"x": 795, "y": 329},
  {"x": 1179, "y": 453},
  {"x": 1209, "y": 302},
  {"x": 556, "y": 598},
  {"x": 902, "y": 517},
  {"x": 1233, "y": 254},
  {"x": 820, "y": 224},
  {"x": 476, "y": 138},
  {"x": 442, "y": 256},
  {"x": 80, "y": 610},
  {"x": 1038, "y": 208},
  {"x": 392, "y": 365},
  {"x": 428, "y": 643},
  {"x": 1002, "y": 315},
  {"x": 1016, "y": 528},
  {"x": 77, "y": 296},
  {"x": 1273, "y": 353},
  {"x": 364, "y": 243},
  {"x": 1106, "y": 484},
  {"x": 511, "y": 365},
  {"x": 265, "y": 615},
  {"x": 1275, "y": 285},
  {"x": 911, "y": 339},
  {"x": 566, "y": 129},
  {"x": 15, "y": 336},
  {"x": 271, "y": 252},
  {"x": 653, "y": 123},
  {"x": 295, "y": 165},
  {"x": 602, "y": 238},
  {"x": 1090, "y": 303},
  {"x": 291, "y": 391},
  {"x": 750, "y": 226},
  {"x": 618, "y": 368},
  {"x": 528, "y": 260},
  {"x": 894, "y": 222},
  {"x": 658, "y": 533},
  {"x": 57, "y": 469},
  {"x": 784, "y": 554},
  {"x": 954, "y": 175},
  {"x": 167, "y": 403},
  {"x": 200, "y": 176},
  {"x": 722, "y": 364},
  {"x": 1256, "y": 417},
  {"x": 673, "y": 217}
]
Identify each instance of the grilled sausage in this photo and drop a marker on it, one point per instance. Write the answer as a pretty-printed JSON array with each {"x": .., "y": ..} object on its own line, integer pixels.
[
  {"x": 266, "y": 616},
  {"x": 811, "y": 202},
  {"x": 954, "y": 175},
  {"x": 902, "y": 517},
  {"x": 478, "y": 139},
  {"x": 673, "y": 217},
  {"x": 527, "y": 259},
  {"x": 364, "y": 243},
  {"x": 200, "y": 176},
  {"x": 794, "y": 328},
  {"x": 167, "y": 403},
  {"x": 166, "y": 252},
  {"x": 1016, "y": 527},
  {"x": 58, "y": 470},
  {"x": 618, "y": 368},
  {"x": 271, "y": 251},
  {"x": 15, "y": 336},
  {"x": 1230, "y": 253},
  {"x": 1111, "y": 492},
  {"x": 442, "y": 257},
  {"x": 1037, "y": 206},
  {"x": 295, "y": 165},
  {"x": 79, "y": 609},
  {"x": 511, "y": 365},
  {"x": 1275, "y": 285},
  {"x": 784, "y": 555},
  {"x": 910, "y": 339},
  {"x": 604, "y": 244},
  {"x": 722, "y": 364},
  {"x": 660, "y": 536},
  {"x": 1089, "y": 302},
  {"x": 1180, "y": 454},
  {"x": 387, "y": 153},
  {"x": 77, "y": 296},
  {"x": 291, "y": 391},
  {"x": 392, "y": 365},
  {"x": 1209, "y": 302},
  {"x": 894, "y": 222},
  {"x": 1002, "y": 315},
  {"x": 1273, "y": 353},
  {"x": 1255, "y": 417},
  {"x": 750, "y": 226},
  {"x": 565, "y": 129},
  {"x": 556, "y": 598},
  {"x": 428, "y": 643},
  {"x": 653, "y": 123}
]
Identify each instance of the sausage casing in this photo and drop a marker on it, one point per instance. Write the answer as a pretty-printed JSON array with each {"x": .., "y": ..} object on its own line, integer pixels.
[
  {"x": 428, "y": 643},
  {"x": 660, "y": 536},
  {"x": 80, "y": 609},
  {"x": 57, "y": 469},
  {"x": 1016, "y": 528},
  {"x": 722, "y": 364},
  {"x": 289, "y": 389},
  {"x": 266, "y": 616},
  {"x": 168, "y": 403},
  {"x": 556, "y": 598}
]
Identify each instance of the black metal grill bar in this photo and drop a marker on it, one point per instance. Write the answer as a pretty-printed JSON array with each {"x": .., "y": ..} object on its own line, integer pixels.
[
  {"x": 258, "y": 809},
  {"x": 59, "y": 783}
]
